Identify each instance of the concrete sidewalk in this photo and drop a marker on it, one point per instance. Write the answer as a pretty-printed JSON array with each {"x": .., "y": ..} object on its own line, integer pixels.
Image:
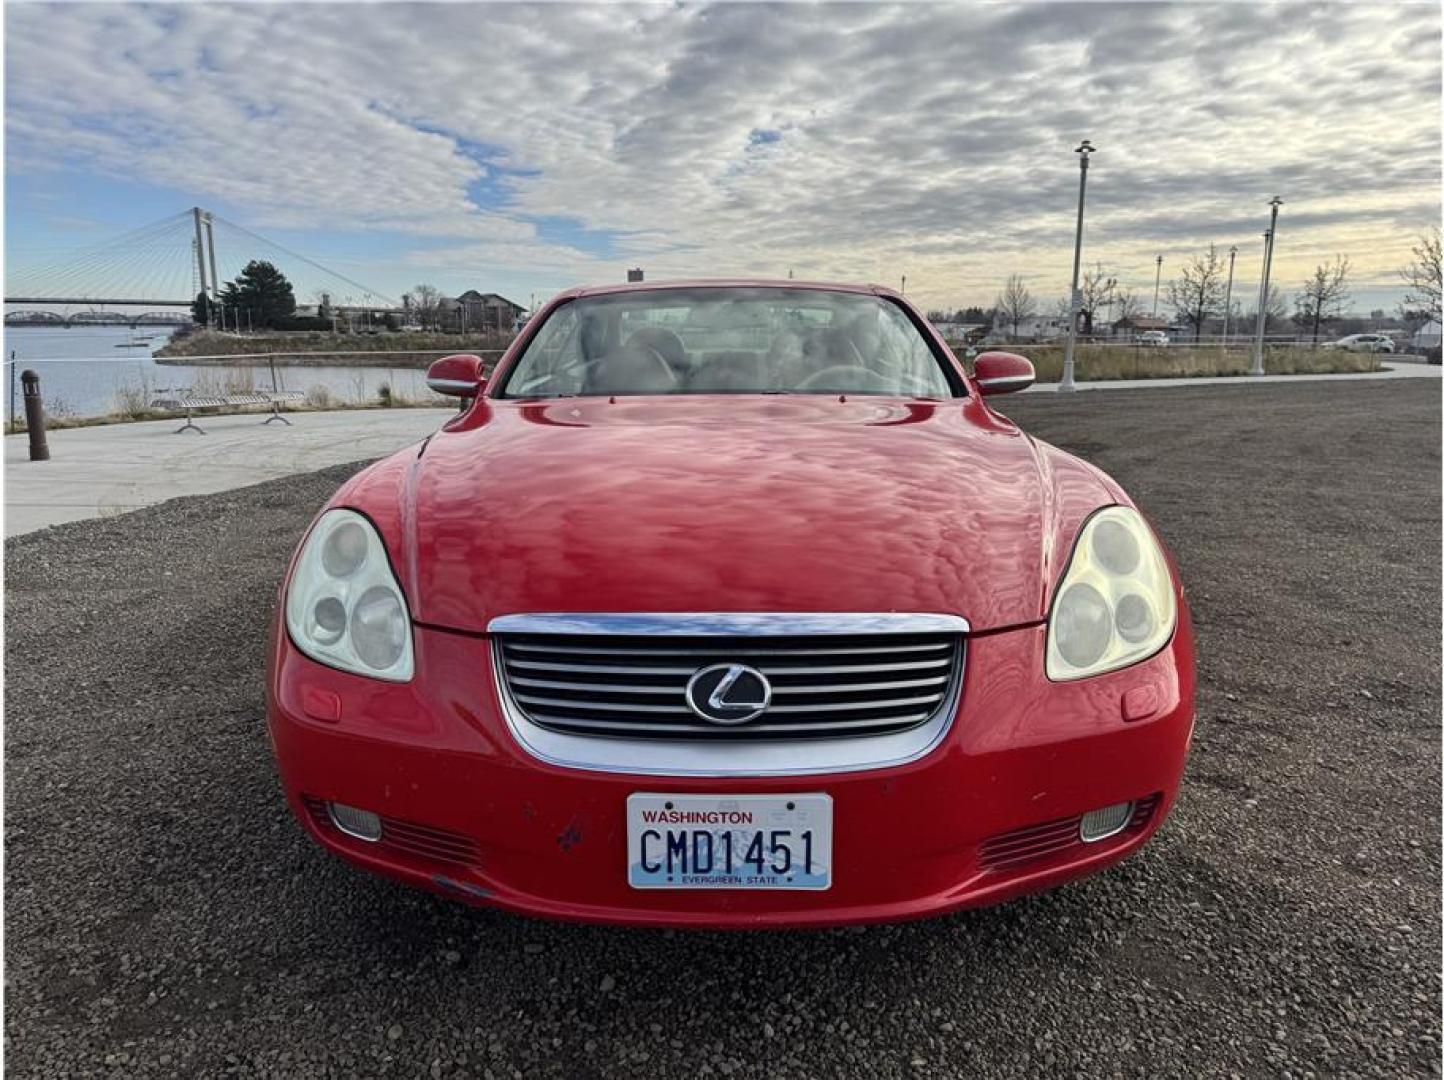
[
  {"x": 112, "y": 468},
  {"x": 1393, "y": 369}
]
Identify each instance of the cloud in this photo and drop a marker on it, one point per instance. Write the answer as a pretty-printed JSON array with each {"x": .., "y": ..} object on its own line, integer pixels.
[{"x": 559, "y": 143}]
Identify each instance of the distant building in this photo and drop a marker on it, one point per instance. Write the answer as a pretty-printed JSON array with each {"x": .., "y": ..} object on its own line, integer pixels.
[
  {"x": 478, "y": 311},
  {"x": 1034, "y": 327},
  {"x": 959, "y": 331},
  {"x": 1134, "y": 325}
]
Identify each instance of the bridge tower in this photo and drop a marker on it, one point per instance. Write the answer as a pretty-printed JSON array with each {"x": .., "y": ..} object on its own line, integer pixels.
[
  {"x": 206, "y": 253},
  {"x": 211, "y": 247},
  {"x": 200, "y": 250}
]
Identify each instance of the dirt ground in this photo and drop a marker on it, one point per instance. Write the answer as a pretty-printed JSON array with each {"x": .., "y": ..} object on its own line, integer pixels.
[{"x": 165, "y": 916}]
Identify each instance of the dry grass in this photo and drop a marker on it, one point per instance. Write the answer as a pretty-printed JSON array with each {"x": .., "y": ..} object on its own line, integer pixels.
[
  {"x": 132, "y": 402},
  {"x": 320, "y": 397},
  {"x": 1102, "y": 362},
  {"x": 312, "y": 348},
  {"x": 224, "y": 381}
]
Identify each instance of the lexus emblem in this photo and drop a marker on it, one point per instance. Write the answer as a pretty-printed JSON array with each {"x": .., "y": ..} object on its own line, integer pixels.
[{"x": 728, "y": 694}]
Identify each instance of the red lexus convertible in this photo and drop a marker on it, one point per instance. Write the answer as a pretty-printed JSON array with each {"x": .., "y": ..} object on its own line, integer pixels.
[{"x": 731, "y": 604}]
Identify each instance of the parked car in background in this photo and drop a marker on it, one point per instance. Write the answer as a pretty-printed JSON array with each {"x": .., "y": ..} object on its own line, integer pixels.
[
  {"x": 731, "y": 604},
  {"x": 1153, "y": 338},
  {"x": 1368, "y": 343}
]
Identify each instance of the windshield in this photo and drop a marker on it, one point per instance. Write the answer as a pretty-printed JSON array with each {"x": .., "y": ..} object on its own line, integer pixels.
[{"x": 728, "y": 341}]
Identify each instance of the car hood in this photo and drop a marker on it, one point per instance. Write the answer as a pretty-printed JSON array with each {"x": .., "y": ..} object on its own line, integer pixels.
[{"x": 748, "y": 503}]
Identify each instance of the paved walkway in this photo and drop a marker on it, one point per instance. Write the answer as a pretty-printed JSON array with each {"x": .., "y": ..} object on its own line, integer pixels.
[
  {"x": 109, "y": 469},
  {"x": 98, "y": 471},
  {"x": 1395, "y": 369}
]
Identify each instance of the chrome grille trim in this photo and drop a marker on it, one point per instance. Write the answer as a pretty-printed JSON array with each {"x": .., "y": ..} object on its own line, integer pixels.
[
  {"x": 571, "y": 704},
  {"x": 744, "y": 653},
  {"x": 623, "y": 669},
  {"x": 728, "y": 623},
  {"x": 848, "y": 698}
]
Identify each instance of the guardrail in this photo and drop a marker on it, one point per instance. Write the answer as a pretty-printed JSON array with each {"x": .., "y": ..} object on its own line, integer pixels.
[
  {"x": 317, "y": 354},
  {"x": 1232, "y": 344}
]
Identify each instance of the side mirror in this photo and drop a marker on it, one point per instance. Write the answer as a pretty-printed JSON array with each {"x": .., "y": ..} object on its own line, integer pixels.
[
  {"x": 462, "y": 375},
  {"x": 1002, "y": 372}
]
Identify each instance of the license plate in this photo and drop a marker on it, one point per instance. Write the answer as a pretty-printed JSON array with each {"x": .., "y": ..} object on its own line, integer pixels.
[{"x": 736, "y": 842}]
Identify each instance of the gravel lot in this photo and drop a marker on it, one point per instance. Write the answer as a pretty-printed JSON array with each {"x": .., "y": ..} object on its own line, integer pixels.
[{"x": 165, "y": 916}]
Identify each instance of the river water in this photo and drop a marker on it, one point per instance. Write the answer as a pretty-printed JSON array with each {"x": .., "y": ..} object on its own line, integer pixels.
[{"x": 83, "y": 369}]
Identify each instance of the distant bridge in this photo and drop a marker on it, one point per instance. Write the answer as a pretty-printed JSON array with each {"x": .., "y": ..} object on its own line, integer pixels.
[
  {"x": 167, "y": 264},
  {"x": 97, "y": 318}
]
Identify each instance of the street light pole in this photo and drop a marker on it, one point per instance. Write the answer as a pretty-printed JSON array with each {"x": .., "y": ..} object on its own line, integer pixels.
[
  {"x": 1228, "y": 295},
  {"x": 1261, "y": 326},
  {"x": 1157, "y": 279},
  {"x": 1263, "y": 292},
  {"x": 1085, "y": 148}
]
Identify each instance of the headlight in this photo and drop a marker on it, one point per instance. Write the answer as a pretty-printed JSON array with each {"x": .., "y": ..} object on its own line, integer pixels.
[
  {"x": 343, "y": 606},
  {"x": 1115, "y": 604}
]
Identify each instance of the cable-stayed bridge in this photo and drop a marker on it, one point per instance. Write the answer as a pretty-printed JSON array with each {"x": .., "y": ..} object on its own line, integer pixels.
[{"x": 167, "y": 264}]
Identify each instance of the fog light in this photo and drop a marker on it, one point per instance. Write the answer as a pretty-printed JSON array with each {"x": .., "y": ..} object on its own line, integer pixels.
[
  {"x": 362, "y": 824},
  {"x": 1101, "y": 824}
]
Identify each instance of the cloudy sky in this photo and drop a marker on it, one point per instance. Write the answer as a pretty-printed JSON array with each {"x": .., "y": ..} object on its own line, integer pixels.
[{"x": 521, "y": 149}]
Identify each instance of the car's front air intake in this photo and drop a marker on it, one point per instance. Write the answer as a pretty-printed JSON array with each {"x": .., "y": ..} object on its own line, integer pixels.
[
  {"x": 1034, "y": 843},
  {"x": 421, "y": 841},
  {"x": 816, "y": 685}
]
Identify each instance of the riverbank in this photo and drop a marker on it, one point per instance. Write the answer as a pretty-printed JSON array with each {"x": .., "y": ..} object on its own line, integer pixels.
[
  {"x": 91, "y": 375},
  {"x": 134, "y": 407},
  {"x": 396, "y": 349}
]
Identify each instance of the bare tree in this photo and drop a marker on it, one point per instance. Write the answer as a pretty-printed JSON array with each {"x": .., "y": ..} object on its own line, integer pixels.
[
  {"x": 1276, "y": 310},
  {"x": 1126, "y": 305},
  {"x": 1098, "y": 291},
  {"x": 1198, "y": 291},
  {"x": 1324, "y": 296},
  {"x": 1015, "y": 304},
  {"x": 1425, "y": 278},
  {"x": 1276, "y": 307},
  {"x": 426, "y": 300}
]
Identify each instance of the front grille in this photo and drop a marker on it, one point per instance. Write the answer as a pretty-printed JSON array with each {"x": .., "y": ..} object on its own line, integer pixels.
[
  {"x": 1037, "y": 842},
  {"x": 422, "y": 841},
  {"x": 823, "y": 686}
]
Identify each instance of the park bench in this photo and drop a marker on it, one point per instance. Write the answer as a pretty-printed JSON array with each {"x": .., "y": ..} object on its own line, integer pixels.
[{"x": 190, "y": 402}]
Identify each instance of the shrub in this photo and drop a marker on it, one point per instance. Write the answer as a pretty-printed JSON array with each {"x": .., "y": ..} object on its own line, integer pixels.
[
  {"x": 133, "y": 402},
  {"x": 320, "y": 397}
]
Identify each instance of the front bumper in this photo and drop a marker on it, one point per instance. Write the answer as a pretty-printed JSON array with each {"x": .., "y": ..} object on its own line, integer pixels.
[{"x": 473, "y": 815}]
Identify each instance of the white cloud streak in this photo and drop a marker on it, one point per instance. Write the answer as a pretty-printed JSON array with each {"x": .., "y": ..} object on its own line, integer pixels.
[{"x": 926, "y": 140}]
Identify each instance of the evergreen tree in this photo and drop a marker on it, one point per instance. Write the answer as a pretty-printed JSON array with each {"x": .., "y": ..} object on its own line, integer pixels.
[{"x": 260, "y": 297}]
